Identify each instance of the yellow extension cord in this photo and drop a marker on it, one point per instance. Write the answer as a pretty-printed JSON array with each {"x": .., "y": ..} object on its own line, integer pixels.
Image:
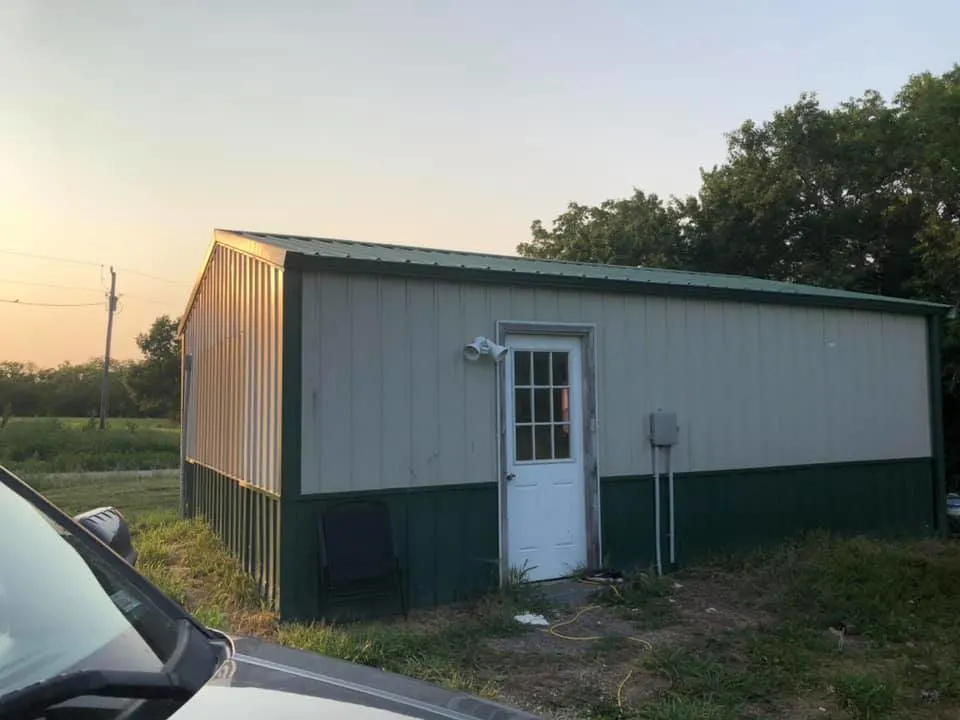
[{"x": 552, "y": 629}]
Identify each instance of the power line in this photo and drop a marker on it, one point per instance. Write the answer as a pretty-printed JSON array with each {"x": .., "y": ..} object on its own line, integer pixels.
[
  {"x": 52, "y": 285},
  {"x": 50, "y": 257},
  {"x": 37, "y": 304},
  {"x": 91, "y": 264}
]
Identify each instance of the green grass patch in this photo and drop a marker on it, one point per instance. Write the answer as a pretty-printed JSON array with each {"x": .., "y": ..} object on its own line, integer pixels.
[
  {"x": 54, "y": 445},
  {"x": 742, "y": 671},
  {"x": 893, "y": 592},
  {"x": 138, "y": 497},
  {"x": 679, "y": 708},
  {"x": 900, "y": 656},
  {"x": 866, "y": 696}
]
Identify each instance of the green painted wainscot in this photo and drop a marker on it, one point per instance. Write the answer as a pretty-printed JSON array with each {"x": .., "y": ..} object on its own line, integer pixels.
[
  {"x": 445, "y": 537},
  {"x": 743, "y": 509}
]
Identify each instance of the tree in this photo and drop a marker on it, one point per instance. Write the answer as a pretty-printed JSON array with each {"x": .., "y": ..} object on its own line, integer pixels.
[
  {"x": 864, "y": 196},
  {"x": 931, "y": 118},
  {"x": 640, "y": 230},
  {"x": 154, "y": 382},
  {"x": 69, "y": 390},
  {"x": 814, "y": 196}
]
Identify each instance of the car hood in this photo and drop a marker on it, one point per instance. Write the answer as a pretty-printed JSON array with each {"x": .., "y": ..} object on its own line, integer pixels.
[{"x": 263, "y": 680}]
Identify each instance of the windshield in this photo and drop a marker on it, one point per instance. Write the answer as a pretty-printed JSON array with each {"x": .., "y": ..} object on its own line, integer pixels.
[{"x": 63, "y": 607}]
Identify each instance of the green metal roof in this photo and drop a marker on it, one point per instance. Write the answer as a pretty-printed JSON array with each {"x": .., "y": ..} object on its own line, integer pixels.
[{"x": 347, "y": 255}]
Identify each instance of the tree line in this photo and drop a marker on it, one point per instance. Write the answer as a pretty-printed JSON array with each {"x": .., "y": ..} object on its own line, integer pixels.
[
  {"x": 864, "y": 196},
  {"x": 147, "y": 387}
]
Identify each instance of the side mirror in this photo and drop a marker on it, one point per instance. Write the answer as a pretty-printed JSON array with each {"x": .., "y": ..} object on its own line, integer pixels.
[{"x": 108, "y": 524}]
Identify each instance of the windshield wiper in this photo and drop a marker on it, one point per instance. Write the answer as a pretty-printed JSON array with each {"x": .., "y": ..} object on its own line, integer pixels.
[
  {"x": 33, "y": 699},
  {"x": 30, "y": 701}
]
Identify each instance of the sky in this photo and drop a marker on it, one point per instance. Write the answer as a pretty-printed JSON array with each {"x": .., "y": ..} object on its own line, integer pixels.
[{"x": 130, "y": 130}]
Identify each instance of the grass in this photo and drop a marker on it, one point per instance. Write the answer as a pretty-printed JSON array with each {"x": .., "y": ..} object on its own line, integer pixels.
[
  {"x": 902, "y": 600},
  {"x": 55, "y": 445},
  {"x": 81, "y": 422},
  {"x": 644, "y": 597},
  {"x": 142, "y": 499},
  {"x": 899, "y": 600}
]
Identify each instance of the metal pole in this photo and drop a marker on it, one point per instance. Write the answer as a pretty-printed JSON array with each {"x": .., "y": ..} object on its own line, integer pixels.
[
  {"x": 673, "y": 524},
  {"x": 186, "y": 483},
  {"x": 656, "y": 509},
  {"x": 105, "y": 384}
]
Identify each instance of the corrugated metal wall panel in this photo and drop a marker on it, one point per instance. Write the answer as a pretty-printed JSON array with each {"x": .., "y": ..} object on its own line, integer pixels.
[
  {"x": 246, "y": 519},
  {"x": 234, "y": 335},
  {"x": 389, "y": 401}
]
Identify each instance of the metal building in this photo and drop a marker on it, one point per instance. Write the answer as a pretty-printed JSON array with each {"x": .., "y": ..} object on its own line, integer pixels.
[{"x": 318, "y": 370}]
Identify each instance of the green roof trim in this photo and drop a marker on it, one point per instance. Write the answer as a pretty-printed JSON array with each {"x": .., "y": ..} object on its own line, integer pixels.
[{"x": 310, "y": 253}]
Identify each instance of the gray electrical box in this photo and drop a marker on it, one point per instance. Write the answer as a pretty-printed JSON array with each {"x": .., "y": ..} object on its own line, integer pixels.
[{"x": 664, "y": 431}]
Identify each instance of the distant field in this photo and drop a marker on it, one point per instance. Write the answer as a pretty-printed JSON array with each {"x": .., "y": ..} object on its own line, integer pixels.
[
  {"x": 155, "y": 423},
  {"x": 56, "y": 445},
  {"x": 139, "y": 498}
]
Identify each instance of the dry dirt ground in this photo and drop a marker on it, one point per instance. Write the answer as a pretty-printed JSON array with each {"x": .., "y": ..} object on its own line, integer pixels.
[{"x": 591, "y": 655}]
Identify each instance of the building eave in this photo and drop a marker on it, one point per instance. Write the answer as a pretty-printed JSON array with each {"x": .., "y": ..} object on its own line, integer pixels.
[{"x": 229, "y": 239}]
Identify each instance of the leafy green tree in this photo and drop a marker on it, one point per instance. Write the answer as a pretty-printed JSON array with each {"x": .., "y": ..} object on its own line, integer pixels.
[
  {"x": 149, "y": 387},
  {"x": 154, "y": 382},
  {"x": 640, "y": 230},
  {"x": 69, "y": 390},
  {"x": 931, "y": 119},
  {"x": 813, "y": 196},
  {"x": 864, "y": 196}
]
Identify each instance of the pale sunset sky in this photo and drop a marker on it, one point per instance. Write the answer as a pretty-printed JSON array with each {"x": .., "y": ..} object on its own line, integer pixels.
[{"x": 129, "y": 129}]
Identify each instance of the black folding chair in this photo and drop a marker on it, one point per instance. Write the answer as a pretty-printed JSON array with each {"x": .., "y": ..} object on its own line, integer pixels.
[{"x": 358, "y": 562}]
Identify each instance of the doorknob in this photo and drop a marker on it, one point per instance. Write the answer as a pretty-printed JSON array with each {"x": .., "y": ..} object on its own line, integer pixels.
[{"x": 510, "y": 476}]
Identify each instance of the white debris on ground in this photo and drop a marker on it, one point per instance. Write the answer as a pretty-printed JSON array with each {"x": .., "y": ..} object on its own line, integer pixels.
[{"x": 531, "y": 619}]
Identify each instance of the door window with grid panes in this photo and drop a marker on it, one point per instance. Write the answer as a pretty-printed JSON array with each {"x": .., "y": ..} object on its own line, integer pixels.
[{"x": 541, "y": 387}]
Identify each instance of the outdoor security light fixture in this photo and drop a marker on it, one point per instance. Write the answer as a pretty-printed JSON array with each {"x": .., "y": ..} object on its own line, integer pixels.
[{"x": 484, "y": 346}]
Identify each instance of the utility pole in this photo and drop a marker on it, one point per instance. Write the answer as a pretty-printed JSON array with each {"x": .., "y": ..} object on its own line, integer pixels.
[{"x": 105, "y": 385}]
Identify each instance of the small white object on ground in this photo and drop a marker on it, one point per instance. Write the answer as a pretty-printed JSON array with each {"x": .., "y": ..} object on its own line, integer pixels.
[
  {"x": 677, "y": 586},
  {"x": 711, "y": 610},
  {"x": 531, "y": 619}
]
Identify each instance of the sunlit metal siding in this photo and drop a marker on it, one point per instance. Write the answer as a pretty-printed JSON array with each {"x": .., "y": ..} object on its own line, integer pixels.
[
  {"x": 389, "y": 402},
  {"x": 234, "y": 336}
]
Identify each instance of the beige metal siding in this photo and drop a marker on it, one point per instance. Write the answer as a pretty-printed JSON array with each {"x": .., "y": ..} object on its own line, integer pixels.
[
  {"x": 234, "y": 336},
  {"x": 389, "y": 401}
]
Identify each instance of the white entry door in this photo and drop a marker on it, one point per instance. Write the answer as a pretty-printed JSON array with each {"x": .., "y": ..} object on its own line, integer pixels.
[{"x": 546, "y": 517}]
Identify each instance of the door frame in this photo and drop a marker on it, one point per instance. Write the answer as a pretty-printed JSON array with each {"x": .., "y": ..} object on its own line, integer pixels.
[{"x": 589, "y": 424}]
